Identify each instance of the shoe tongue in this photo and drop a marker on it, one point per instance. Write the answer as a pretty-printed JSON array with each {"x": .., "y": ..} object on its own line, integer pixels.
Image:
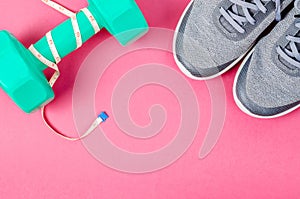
[{"x": 233, "y": 8}]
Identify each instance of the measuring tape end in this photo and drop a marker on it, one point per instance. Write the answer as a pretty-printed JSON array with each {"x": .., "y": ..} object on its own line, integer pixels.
[{"x": 104, "y": 116}]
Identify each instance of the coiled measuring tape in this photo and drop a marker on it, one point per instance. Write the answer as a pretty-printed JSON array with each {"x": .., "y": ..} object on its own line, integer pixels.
[{"x": 53, "y": 65}]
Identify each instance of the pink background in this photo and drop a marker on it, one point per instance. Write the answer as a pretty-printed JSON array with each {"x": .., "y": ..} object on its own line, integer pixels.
[{"x": 253, "y": 158}]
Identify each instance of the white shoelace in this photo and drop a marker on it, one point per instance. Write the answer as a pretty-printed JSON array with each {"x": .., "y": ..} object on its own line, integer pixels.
[
  {"x": 292, "y": 55},
  {"x": 237, "y": 20}
]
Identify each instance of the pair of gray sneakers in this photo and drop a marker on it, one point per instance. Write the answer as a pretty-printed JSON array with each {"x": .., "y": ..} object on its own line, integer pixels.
[{"x": 213, "y": 36}]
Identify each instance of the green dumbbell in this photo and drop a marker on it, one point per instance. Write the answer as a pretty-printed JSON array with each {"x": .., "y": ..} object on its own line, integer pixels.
[{"x": 21, "y": 73}]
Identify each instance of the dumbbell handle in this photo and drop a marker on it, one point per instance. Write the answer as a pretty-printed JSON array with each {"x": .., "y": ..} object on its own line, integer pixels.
[{"x": 64, "y": 38}]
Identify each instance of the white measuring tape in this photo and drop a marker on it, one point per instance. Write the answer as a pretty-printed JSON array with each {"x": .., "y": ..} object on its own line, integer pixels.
[
  {"x": 100, "y": 119},
  {"x": 103, "y": 116}
]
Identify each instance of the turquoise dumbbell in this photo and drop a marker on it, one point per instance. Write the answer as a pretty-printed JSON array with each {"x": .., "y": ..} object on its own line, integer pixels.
[{"x": 21, "y": 72}]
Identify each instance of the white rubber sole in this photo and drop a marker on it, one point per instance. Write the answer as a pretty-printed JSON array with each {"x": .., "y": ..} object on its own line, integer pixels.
[
  {"x": 180, "y": 65},
  {"x": 242, "y": 107}
]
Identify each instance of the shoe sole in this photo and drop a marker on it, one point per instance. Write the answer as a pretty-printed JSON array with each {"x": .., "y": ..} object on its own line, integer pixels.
[
  {"x": 240, "y": 104},
  {"x": 181, "y": 66}
]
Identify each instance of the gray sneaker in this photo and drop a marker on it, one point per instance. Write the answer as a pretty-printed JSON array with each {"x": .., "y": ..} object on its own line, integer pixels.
[
  {"x": 267, "y": 84},
  {"x": 213, "y": 36}
]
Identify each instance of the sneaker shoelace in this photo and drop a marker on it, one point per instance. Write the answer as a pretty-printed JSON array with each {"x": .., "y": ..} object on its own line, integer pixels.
[
  {"x": 291, "y": 52},
  {"x": 237, "y": 20}
]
